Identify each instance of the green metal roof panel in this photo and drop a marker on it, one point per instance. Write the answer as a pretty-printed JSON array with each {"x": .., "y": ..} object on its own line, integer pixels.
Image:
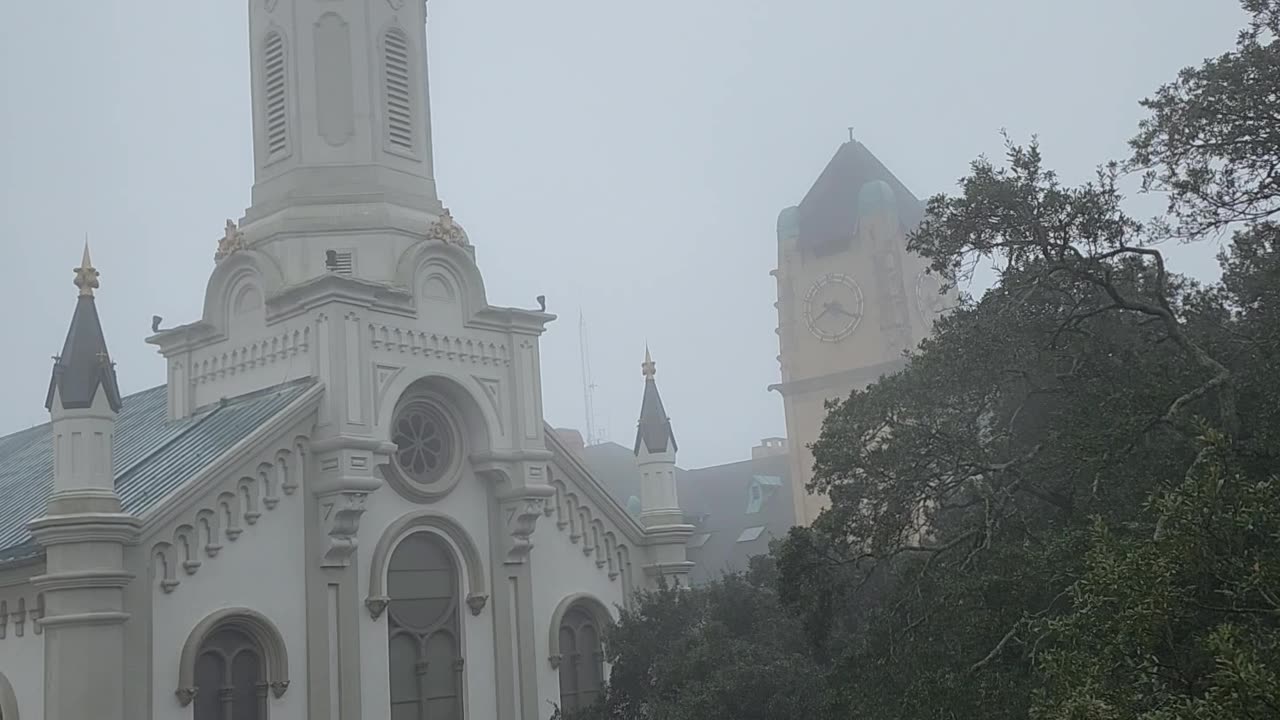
[{"x": 153, "y": 456}]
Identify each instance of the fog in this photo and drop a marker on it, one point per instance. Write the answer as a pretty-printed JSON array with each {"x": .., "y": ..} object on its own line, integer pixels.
[{"x": 626, "y": 160}]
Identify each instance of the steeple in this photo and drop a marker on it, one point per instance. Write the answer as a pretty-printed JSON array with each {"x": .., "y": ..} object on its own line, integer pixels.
[
  {"x": 660, "y": 513},
  {"x": 653, "y": 432},
  {"x": 84, "y": 368},
  {"x": 341, "y": 121},
  {"x": 84, "y": 530}
]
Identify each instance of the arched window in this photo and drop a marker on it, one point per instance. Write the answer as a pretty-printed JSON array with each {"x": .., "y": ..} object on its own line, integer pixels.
[
  {"x": 581, "y": 661},
  {"x": 231, "y": 680},
  {"x": 425, "y": 664},
  {"x": 231, "y": 664}
]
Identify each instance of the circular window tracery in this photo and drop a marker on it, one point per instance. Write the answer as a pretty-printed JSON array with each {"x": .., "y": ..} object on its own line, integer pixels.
[
  {"x": 424, "y": 464},
  {"x": 423, "y": 442}
]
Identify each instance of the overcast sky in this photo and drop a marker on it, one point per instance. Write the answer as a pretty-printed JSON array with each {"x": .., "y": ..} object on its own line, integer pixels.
[{"x": 625, "y": 159}]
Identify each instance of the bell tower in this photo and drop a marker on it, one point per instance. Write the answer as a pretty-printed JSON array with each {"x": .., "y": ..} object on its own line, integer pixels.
[
  {"x": 341, "y": 135},
  {"x": 851, "y": 299}
]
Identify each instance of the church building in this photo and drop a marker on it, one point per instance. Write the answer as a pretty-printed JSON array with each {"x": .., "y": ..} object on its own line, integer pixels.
[{"x": 344, "y": 502}]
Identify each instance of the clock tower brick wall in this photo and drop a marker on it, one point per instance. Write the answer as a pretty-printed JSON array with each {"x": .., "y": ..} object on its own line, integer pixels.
[{"x": 851, "y": 299}]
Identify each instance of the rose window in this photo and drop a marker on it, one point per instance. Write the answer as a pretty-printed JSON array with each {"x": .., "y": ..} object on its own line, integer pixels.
[{"x": 423, "y": 442}]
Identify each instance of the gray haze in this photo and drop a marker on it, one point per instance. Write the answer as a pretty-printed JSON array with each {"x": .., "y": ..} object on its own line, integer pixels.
[{"x": 628, "y": 159}]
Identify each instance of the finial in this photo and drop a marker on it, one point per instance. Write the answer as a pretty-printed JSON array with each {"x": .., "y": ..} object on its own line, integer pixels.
[
  {"x": 86, "y": 275},
  {"x": 648, "y": 367},
  {"x": 851, "y": 134}
]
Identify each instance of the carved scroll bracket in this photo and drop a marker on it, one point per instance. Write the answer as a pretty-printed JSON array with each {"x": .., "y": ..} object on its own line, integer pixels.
[
  {"x": 345, "y": 479},
  {"x": 519, "y": 479}
]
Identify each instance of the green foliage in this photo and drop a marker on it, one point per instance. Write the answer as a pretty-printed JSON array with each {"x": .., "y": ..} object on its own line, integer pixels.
[
  {"x": 1182, "y": 624},
  {"x": 723, "y": 651},
  {"x": 1066, "y": 506}
]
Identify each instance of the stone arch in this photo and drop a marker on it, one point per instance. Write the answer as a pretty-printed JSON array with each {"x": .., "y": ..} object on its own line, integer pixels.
[
  {"x": 270, "y": 486},
  {"x": 452, "y": 532},
  {"x": 589, "y": 603},
  {"x": 162, "y": 563},
  {"x": 8, "y": 700},
  {"x": 431, "y": 257},
  {"x": 231, "y": 275},
  {"x": 471, "y": 419},
  {"x": 275, "y": 654}
]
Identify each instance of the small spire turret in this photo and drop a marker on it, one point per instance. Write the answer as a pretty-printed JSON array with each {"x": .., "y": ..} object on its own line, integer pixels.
[{"x": 85, "y": 366}]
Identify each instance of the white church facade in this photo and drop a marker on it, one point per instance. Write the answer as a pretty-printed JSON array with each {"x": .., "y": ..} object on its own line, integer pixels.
[{"x": 344, "y": 503}]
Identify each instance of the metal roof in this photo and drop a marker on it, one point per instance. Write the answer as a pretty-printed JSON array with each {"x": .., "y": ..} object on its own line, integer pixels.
[{"x": 153, "y": 455}]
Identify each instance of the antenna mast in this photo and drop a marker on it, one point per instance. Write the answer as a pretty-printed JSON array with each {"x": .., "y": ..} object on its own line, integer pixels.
[{"x": 588, "y": 387}]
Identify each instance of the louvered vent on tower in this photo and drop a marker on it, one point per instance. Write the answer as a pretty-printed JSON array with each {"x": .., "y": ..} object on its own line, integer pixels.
[
  {"x": 275, "y": 107},
  {"x": 396, "y": 84}
]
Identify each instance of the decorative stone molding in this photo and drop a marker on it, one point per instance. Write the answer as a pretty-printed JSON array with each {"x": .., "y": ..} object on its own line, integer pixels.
[
  {"x": 252, "y": 623},
  {"x": 518, "y": 477},
  {"x": 456, "y": 536},
  {"x": 521, "y": 512},
  {"x": 340, "y": 514},
  {"x": 377, "y": 605},
  {"x": 256, "y": 354},
  {"x": 232, "y": 241},
  {"x": 445, "y": 230},
  {"x": 389, "y": 338},
  {"x": 476, "y": 603},
  {"x": 221, "y": 520},
  {"x": 345, "y": 477},
  {"x": 20, "y": 612}
]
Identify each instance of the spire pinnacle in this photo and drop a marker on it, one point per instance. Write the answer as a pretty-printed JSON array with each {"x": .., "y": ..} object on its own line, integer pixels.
[
  {"x": 86, "y": 275},
  {"x": 654, "y": 429},
  {"x": 648, "y": 368}
]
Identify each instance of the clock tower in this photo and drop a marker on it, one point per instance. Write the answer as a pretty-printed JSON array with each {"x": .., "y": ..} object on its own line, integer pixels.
[{"x": 851, "y": 299}]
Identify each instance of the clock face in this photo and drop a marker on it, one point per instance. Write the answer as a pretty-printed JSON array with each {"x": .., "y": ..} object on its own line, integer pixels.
[
  {"x": 930, "y": 302},
  {"x": 833, "y": 307}
]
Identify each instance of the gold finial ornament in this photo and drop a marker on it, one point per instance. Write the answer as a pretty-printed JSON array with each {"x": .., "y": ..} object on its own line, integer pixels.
[
  {"x": 648, "y": 367},
  {"x": 232, "y": 241},
  {"x": 446, "y": 230},
  {"x": 86, "y": 275}
]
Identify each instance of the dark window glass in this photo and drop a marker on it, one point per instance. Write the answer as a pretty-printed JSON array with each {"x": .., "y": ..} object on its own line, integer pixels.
[
  {"x": 581, "y": 660},
  {"x": 230, "y": 680},
  {"x": 425, "y": 658}
]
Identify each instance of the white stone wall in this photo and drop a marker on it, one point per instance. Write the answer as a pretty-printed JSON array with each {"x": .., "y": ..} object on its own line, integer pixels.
[
  {"x": 22, "y": 656},
  {"x": 262, "y": 570},
  {"x": 561, "y": 569}
]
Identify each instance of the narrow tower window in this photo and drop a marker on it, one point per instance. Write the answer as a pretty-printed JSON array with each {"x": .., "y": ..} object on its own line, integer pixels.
[
  {"x": 274, "y": 106},
  {"x": 396, "y": 82}
]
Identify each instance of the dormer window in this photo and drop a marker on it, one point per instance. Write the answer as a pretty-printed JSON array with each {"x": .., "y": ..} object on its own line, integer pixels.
[{"x": 762, "y": 488}]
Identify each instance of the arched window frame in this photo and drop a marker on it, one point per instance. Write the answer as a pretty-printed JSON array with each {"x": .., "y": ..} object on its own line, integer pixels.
[
  {"x": 601, "y": 619},
  {"x": 8, "y": 700},
  {"x": 472, "y": 566},
  {"x": 275, "y": 656},
  {"x": 447, "y": 533}
]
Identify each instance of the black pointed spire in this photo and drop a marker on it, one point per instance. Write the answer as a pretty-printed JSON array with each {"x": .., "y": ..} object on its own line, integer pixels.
[
  {"x": 84, "y": 366},
  {"x": 654, "y": 428}
]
